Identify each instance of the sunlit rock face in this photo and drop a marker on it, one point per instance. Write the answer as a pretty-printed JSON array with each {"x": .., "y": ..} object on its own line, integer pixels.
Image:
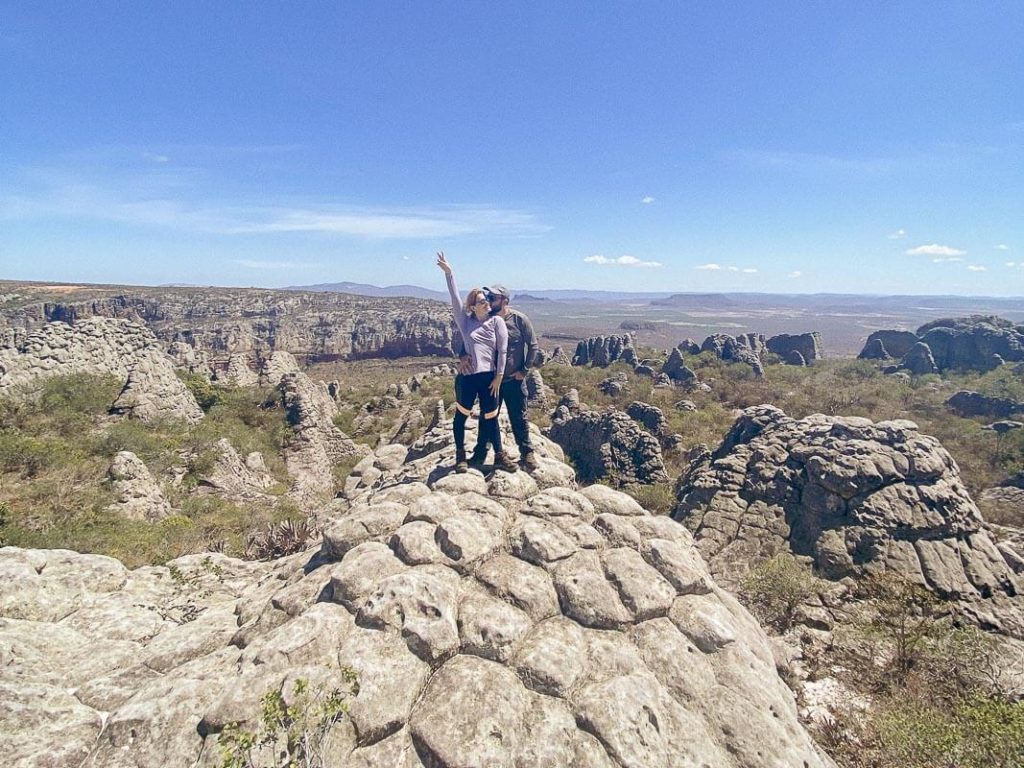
[
  {"x": 100, "y": 346},
  {"x": 501, "y": 620},
  {"x": 314, "y": 326},
  {"x": 854, "y": 496}
]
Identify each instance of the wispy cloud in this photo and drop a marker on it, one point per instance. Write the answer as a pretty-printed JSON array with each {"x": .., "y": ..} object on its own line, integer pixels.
[
  {"x": 647, "y": 200},
  {"x": 728, "y": 268},
  {"x": 261, "y": 264},
  {"x": 946, "y": 259},
  {"x": 170, "y": 208},
  {"x": 899, "y": 234},
  {"x": 1002, "y": 247},
  {"x": 154, "y": 158},
  {"x": 621, "y": 261},
  {"x": 935, "y": 250},
  {"x": 795, "y": 273},
  {"x": 975, "y": 268}
]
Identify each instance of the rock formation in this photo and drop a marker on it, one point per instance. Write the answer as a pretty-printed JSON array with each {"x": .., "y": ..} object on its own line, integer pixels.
[
  {"x": 977, "y": 342},
  {"x": 745, "y": 348},
  {"x": 895, "y": 344},
  {"x": 614, "y": 385},
  {"x": 966, "y": 404},
  {"x": 235, "y": 479},
  {"x": 314, "y": 326},
  {"x": 807, "y": 345},
  {"x": 138, "y": 495},
  {"x": 606, "y": 444},
  {"x": 316, "y": 444},
  {"x": 489, "y": 624},
  {"x": 852, "y": 496},
  {"x": 276, "y": 366},
  {"x": 101, "y": 346},
  {"x": 919, "y": 361},
  {"x": 537, "y": 392},
  {"x": 649, "y": 415},
  {"x": 558, "y": 357},
  {"x": 677, "y": 370},
  {"x": 602, "y": 351}
]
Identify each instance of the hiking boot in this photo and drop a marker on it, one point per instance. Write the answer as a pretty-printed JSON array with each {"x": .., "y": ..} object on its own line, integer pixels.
[
  {"x": 530, "y": 461},
  {"x": 503, "y": 462},
  {"x": 477, "y": 459},
  {"x": 460, "y": 462}
]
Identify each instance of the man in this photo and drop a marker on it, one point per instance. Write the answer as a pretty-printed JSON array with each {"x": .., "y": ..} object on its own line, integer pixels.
[{"x": 522, "y": 352}]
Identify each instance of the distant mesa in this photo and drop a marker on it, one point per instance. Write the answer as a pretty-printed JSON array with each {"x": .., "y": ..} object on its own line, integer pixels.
[
  {"x": 528, "y": 297},
  {"x": 364, "y": 289},
  {"x": 695, "y": 300}
]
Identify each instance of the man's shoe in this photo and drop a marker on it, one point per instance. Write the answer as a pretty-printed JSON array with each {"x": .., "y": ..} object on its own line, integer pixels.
[
  {"x": 530, "y": 460},
  {"x": 477, "y": 459},
  {"x": 460, "y": 462},
  {"x": 504, "y": 463}
]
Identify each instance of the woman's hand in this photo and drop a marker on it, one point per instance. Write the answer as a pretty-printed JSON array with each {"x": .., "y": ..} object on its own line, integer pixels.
[
  {"x": 496, "y": 385},
  {"x": 444, "y": 265}
]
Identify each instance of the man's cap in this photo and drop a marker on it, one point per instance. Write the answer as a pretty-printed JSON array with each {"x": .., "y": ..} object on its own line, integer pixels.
[{"x": 498, "y": 290}]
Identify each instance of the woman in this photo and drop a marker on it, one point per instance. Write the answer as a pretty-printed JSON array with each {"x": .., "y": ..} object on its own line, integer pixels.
[{"x": 486, "y": 340}]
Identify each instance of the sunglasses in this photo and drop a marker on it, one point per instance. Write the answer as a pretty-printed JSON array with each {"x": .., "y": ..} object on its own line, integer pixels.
[
  {"x": 482, "y": 300},
  {"x": 493, "y": 296}
]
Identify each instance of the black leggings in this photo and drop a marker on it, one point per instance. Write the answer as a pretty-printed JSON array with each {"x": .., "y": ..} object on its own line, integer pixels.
[{"x": 467, "y": 390}]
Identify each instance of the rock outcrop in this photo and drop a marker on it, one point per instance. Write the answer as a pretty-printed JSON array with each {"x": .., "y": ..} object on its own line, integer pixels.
[
  {"x": 807, "y": 345},
  {"x": 677, "y": 370},
  {"x": 853, "y": 496},
  {"x": 316, "y": 444},
  {"x": 606, "y": 444},
  {"x": 313, "y": 326},
  {"x": 745, "y": 348},
  {"x": 234, "y": 478},
  {"x": 101, "y": 346},
  {"x": 489, "y": 624},
  {"x": 967, "y": 404},
  {"x": 537, "y": 392},
  {"x": 895, "y": 344},
  {"x": 602, "y": 351},
  {"x": 919, "y": 360},
  {"x": 978, "y": 342},
  {"x": 138, "y": 495}
]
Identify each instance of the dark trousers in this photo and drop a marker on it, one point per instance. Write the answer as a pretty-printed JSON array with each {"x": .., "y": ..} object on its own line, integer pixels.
[
  {"x": 513, "y": 396},
  {"x": 467, "y": 390}
]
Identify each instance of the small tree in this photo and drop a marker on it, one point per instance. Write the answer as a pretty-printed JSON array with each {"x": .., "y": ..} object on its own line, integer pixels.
[
  {"x": 904, "y": 615},
  {"x": 776, "y": 588}
]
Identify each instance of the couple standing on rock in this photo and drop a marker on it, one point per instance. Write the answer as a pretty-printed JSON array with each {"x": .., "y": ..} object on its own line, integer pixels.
[{"x": 498, "y": 347}]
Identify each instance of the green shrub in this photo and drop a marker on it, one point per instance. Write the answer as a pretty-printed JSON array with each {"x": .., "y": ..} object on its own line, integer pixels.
[
  {"x": 777, "y": 587},
  {"x": 293, "y": 727},
  {"x": 656, "y": 498},
  {"x": 206, "y": 393}
]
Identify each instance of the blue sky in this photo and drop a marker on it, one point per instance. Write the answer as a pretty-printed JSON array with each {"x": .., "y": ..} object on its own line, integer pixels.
[{"x": 680, "y": 146}]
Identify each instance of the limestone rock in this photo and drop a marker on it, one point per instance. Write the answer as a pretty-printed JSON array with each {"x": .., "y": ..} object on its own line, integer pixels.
[
  {"x": 807, "y": 345},
  {"x": 535, "y": 627},
  {"x": 919, "y": 360},
  {"x": 606, "y": 444},
  {"x": 138, "y": 495},
  {"x": 852, "y": 495}
]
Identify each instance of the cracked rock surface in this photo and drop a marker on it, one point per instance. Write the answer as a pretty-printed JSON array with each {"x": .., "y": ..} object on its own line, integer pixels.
[
  {"x": 853, "y": 496},
  {"x": 490, "y": 622}
]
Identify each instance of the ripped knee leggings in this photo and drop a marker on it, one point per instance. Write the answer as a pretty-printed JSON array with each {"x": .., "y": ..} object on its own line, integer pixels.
[{"x": 467, "y": 390}]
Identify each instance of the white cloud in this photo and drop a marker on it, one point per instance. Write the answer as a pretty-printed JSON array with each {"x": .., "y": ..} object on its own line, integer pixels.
[
  {"x": 935, "y": 250},
  {"x": 647, "y": 200},
  {"x": 944, "y": 260},
  {"x": 621, "y": 261},
  {"x": 260, "y": 264},
  {"x": 1002, "y": 247},
  {"x": 899, "y": 234},
  {"x": 975, "y": 268},
  {"x": 728, "y": 268},
  {"x": 795, "y": 273},
  {"x": 1011, "y": 264},
  {"x": 156, "y": 158}
]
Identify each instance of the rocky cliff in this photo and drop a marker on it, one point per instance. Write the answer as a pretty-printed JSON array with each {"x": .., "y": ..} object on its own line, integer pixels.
[{"x": 315, "y": 326}]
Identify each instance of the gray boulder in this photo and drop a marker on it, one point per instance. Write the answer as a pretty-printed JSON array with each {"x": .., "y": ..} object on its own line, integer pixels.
[
  {"x": 966, "y": 404},
  {"x": 919, "y": 360},
  {"x": 606, "y": 445},
  {"x": 853, "y": 496},
  {"x": 894, "y": 343},
  {"x": 138, "y": 495},
  {"x": 807, "y": 345}
]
